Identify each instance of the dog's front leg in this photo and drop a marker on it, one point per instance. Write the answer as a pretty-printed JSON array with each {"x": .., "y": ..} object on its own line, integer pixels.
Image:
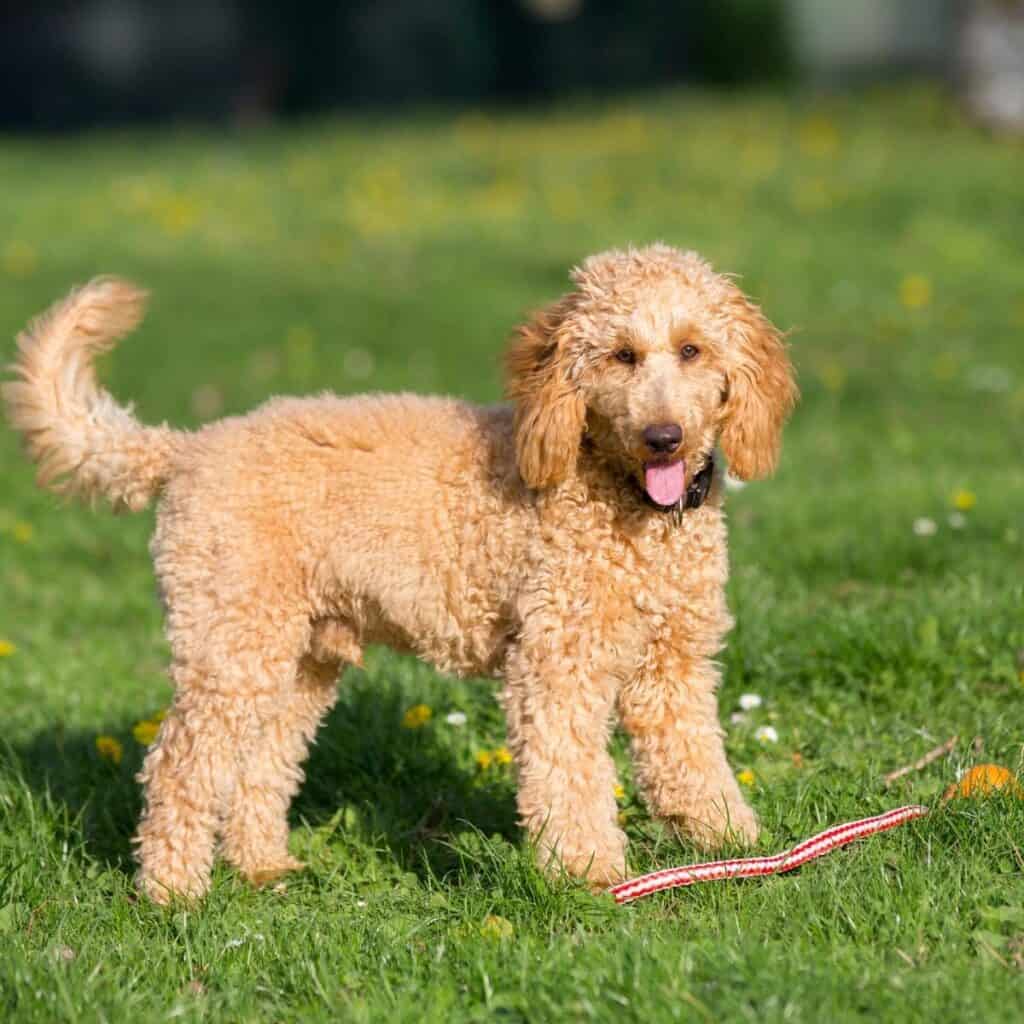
[
  {"x": 559, "y": 704},
  {"x": 671, "y": 713}
]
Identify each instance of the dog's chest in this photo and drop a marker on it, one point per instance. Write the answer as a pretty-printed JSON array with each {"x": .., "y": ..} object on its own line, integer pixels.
[
  {"x": 636, "y": 579},
  {"x": 667, "y": 568}
]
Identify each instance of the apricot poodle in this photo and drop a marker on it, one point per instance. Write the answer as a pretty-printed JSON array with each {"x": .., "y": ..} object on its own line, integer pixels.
[{"x": 572, "y": 543}]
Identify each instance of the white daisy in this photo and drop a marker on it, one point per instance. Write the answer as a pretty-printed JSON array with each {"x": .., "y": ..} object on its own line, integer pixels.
[
  {"x": 767, "y": 734},
  {"x": 925, "y": 527},
  {"x": 358, "y": 363},
  {"x": 456, "y": 718},
  {"x": 994, "y": 379},
  {"x": 749, "y": 701}
]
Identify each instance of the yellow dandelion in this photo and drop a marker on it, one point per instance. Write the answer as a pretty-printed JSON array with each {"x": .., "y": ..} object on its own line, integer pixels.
[
  {"x": 964, "y": 501},
  {"x": 502, "y": 756},
  {"x": 496, "y": 927},
  {"x": 110, "y": 749},
  {"x": 915, "y": 291},
  {"x": 177, "y": 215},
  {"x": 20, "y": 259},
  {"x": 484, "y": 759},
  {"x": 416, "y": 717},
  {"x": 6, "y": 648},
  {"x": 945, "y": 366},
  {"x": 620, "y": 793},
  {"x": 22, "y": 532},
  {"x": 819, "y": 137},
  {"x": 623, "y": 819},
  {"x": 832, "y": 376},
  {"x": 746, "y": 777},
  {"x": 145, "y": 732}
]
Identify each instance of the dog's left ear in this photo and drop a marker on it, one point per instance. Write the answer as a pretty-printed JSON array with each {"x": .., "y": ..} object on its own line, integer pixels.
[
  {"x": 550, "y": 411},
  {"x": 761, "y": 393}
]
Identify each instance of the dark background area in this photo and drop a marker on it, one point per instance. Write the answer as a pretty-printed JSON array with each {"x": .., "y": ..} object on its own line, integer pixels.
[{"x": 71, "y": 64}]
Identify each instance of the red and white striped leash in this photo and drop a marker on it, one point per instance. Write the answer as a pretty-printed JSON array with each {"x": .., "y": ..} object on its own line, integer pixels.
[{"x": 753, "y": 867}]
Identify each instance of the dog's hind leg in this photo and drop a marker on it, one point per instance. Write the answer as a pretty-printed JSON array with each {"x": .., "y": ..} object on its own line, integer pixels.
[
  {"x": 229, "y": 678},
  {"x": 255, "y": 836}
]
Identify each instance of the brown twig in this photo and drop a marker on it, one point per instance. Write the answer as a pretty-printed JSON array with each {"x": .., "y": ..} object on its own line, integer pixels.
[{"x": 922, "y": 762}]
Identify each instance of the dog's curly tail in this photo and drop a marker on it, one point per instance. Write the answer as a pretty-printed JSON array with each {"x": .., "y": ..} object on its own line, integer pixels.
[{"x": 84, "y": 442}]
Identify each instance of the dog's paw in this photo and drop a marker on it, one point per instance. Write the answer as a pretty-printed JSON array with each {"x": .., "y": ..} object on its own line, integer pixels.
[
  {"x": 599, "y": 863},
  {"x": 720, "y": 824},
  {"x": 266, "y": 874},
  {"x": 186, "y": 890}
]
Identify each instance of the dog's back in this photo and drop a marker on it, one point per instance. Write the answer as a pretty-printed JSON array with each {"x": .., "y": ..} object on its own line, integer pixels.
[
  {"x": 393, "y": 517},
  {"x": 401, "y": 516}
]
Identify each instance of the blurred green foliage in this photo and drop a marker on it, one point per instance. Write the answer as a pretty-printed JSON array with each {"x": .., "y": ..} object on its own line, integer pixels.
[{"x": 742, "y": 41}]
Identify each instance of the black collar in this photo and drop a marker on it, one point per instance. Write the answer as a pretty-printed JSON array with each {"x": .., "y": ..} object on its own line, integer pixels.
[{"x": 696, "y": 493}]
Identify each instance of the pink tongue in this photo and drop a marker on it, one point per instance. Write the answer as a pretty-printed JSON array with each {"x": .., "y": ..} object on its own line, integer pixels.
[{"x": 665, "y": 483}]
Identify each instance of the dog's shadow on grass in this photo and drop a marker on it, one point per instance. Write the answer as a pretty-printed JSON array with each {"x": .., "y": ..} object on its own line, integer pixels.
[
  {"x": 407, "y": 787},
  {"x": 404, "y": 788}
]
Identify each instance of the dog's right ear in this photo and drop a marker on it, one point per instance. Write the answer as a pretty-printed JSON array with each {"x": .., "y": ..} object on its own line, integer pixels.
[
  {"x": 550, "y": 411},
  {"x": 761, "y": 392}
]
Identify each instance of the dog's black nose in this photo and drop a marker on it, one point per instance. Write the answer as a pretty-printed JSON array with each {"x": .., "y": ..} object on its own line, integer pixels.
[{"x": 664, "y": 438}]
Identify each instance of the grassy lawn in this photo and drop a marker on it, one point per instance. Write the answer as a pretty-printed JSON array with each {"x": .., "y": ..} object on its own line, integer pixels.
[{"x": 877, "y": 580}]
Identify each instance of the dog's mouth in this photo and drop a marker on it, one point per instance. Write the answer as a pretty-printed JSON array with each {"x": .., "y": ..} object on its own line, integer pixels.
[{"x": 665, "y": 482}]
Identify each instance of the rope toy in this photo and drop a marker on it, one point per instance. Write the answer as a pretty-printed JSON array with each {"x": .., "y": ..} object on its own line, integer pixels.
[{"x": 753, "y": 867}]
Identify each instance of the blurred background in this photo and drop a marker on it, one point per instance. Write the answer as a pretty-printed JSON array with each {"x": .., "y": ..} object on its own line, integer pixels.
[
  {"x": 371, "y": 194},
  {"x": 75, "y": 63}
]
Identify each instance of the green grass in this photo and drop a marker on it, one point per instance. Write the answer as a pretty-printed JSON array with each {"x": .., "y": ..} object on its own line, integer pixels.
[{"x": 346, "y": 255}]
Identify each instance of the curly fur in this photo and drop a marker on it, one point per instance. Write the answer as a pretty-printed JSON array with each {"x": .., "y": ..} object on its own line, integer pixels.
[{"x": 511, "y": 541}]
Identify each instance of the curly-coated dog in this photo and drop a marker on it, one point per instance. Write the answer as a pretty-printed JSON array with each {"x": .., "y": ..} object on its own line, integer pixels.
[{"x": 571, "y": 542}]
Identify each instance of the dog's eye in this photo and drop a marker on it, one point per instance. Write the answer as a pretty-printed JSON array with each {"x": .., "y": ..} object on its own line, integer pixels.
[
  {"x": 626, "y": 355},
  {"x": 689, "y": 352}
]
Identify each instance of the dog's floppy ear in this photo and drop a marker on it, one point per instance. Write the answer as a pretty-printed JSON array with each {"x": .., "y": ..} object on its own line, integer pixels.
[
  {"x": 761, "y": 392},
  {"x": 550, "y": 411}
]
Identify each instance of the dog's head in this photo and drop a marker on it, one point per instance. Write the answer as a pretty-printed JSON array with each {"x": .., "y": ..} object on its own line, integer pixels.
[{"x": 657, "y": 359}]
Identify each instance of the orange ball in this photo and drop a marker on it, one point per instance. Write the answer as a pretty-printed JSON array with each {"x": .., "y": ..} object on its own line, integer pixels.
[{"x": 983, "y": 780}]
